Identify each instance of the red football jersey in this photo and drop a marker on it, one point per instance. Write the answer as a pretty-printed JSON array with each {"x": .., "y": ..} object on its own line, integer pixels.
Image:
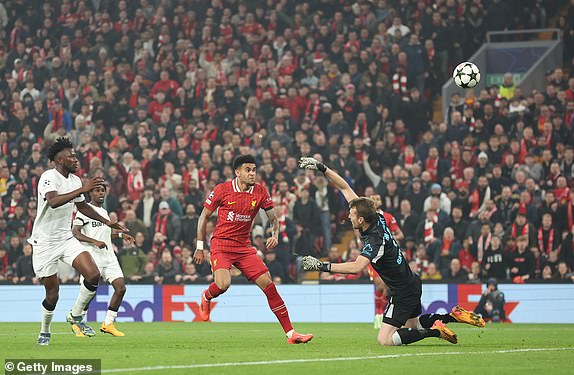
[
  {"x": 391, "y": 221},
  {"x": 237, "y": 209}
]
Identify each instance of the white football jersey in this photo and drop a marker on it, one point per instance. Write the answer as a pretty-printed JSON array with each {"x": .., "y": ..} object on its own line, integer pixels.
[
  {"x": 54, "y": 224},
  {"x": 98, "y": 231}
]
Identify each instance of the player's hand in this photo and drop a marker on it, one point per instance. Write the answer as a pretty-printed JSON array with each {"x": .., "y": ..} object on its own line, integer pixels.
[
  {"x": 101, "y": 244},
  {"x": 271, "y": 243},
  {"x": 92, "y": 183},
  {"x": 118, "y": 226},
  {"x": 313, "y": 264},
  {"x": 311, "y": 164},
  {"x": 128, "y": 238},
  {"x": 199, "y": 256}
]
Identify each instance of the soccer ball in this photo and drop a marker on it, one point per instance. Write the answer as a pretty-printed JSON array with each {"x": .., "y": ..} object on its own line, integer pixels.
[{"x": 466, "y": 75}]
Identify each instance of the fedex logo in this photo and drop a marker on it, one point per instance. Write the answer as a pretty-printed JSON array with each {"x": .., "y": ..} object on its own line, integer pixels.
[
  {"x": 167, "y": 300},
  {"x": 464, "y": 295}
]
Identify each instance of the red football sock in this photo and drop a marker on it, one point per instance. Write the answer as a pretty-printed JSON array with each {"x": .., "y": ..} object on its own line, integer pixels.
[
  {"x": 380, "y": 302},
  {"x": 213, "y": 291},
  {"x": 278, "y": 307}
]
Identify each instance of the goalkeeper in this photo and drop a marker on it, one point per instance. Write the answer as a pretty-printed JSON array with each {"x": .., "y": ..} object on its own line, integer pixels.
[{"x": 402, "y": 322}]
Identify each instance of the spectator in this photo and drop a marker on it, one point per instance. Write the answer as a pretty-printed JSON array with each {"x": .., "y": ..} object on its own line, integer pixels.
[
  {"x": 189, "y": 225},
  {"x": 456, "y": 274},
  {"x": 443, "y": 251},
  {"x": 493, "y": 261},
  {"x": 432, "y": 273},
  {"x": 133, "y": 259},
  {"x": 166, "y": 223},
  {"x": 407, "y": 219},
  {"x": 189, "y": 275},
  {"x": 521, "y": 227},
  {"x": 548, "y": 238},
  {"x": 564, "y": 273},
  {"x": 147, "y": 277},
  {"x": 521, "y": 261},
  {"x": 134, "y": 224},
  {"x": 147, "y": 206},
  {"x": 167, "y": 269},
  {"x": 24, "y": 270},
  {"x": 306, "y": 213},
  {"x": 275, "y": 267},
  {"x": 474, "y": 273}
]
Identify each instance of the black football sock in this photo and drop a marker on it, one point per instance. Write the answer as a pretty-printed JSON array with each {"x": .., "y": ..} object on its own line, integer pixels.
[
  {"x": 410, "y": 335},
  {"x": 427, "y": 320}
]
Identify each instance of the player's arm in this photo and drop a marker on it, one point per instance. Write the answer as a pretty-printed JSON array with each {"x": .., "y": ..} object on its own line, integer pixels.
[
  {"x": 272, "y": 241},
  {"x": 338, "y": 181},
  {"x": 77, "y": 231},
  {"x": 314, "y": 264},
  {"x": 56, "y": 200},
  {"x": 199, "y": 255},
  {"x": 88, "y": 211},
  {"x": 398, "y": 234},
  {"x": 367, "y": 255}
]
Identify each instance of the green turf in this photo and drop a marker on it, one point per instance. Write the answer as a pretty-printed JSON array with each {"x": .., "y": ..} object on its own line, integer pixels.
[{"x": 188, "y": 344}]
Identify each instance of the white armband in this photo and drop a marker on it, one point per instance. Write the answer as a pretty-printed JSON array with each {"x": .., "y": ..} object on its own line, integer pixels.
[{"x": 199, "y": 245}]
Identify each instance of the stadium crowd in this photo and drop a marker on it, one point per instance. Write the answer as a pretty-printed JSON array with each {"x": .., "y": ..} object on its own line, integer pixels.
[{"x": 160, "y": 96}]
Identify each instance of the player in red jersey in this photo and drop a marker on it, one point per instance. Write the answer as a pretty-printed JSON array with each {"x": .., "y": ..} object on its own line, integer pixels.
[{"x": 238, "y": 201}]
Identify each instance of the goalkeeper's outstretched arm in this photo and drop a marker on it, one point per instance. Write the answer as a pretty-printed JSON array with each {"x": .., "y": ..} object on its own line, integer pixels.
[
  {"x": 313, "y": 264},
  {"x": 338, "y": 181}
]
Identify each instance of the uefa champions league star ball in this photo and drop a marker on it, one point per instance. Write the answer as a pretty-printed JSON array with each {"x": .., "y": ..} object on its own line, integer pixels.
[{"x": 466, "y": 75}]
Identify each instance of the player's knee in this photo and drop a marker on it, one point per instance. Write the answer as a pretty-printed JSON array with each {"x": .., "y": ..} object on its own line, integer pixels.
[
  {"x": 223, "y": 285},
  {"x": 120, "y": 290},
  {"x": 93, "y": 278},
  {"x": 385, "y": 341}
]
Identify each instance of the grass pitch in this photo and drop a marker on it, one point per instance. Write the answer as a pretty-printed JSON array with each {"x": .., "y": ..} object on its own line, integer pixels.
[{"x": 251, "y": 348}]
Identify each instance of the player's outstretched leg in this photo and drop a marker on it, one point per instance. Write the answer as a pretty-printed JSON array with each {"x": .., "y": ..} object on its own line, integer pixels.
[
  {"x": 52, "y": 287},
  {"x": 458, "y": 315},
  {"x": 392, "y": 336},
  {"x": 108, "y": 325},
  {"x": 85, "y": 264},
  {"x": 464, "y": 316},
  {"x": 219, "y": 286},
  {"x": 278, "y": 308}
]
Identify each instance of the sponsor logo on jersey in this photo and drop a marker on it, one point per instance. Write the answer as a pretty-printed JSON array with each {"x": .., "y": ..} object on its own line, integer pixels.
[
  {"x": 367, "y": 249},
  {"x": 230, "y": 203},
  {"x": 232, "y": 216},
  {"x": 210, "y": 197}
]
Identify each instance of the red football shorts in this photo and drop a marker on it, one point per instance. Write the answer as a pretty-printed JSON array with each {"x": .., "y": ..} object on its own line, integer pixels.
[{"x": 246, "y": 261}]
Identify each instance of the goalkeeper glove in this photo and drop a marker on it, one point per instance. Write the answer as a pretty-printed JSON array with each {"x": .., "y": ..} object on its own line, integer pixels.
[
  {"x": 312, "y": 164},
  {"x": 313, "y": 264}
]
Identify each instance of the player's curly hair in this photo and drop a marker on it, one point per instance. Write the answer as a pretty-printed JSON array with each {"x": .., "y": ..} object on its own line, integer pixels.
[
  {"x": 243, "y": 159},
  {"x": 61, "y": 144}
]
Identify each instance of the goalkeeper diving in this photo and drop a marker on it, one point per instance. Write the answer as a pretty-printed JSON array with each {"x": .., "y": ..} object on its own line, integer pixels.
[{"x": 402, "y": 321}]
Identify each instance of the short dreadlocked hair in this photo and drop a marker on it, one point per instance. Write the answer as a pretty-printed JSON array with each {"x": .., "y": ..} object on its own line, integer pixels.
[{"x": 61, "y": 144}]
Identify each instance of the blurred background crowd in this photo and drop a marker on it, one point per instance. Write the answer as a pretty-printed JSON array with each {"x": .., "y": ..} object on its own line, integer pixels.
[{"x": 159, "y": 96}]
